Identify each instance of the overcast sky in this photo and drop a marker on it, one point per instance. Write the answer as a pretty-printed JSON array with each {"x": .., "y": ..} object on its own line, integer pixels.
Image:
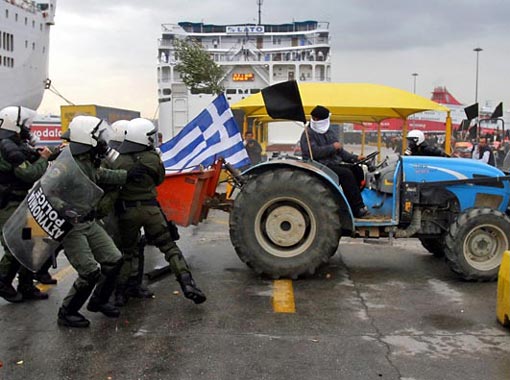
[{"x": 104, "y": 51}]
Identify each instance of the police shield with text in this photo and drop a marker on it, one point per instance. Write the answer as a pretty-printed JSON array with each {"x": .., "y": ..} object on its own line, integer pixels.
[{"x": 20, "y": 167}]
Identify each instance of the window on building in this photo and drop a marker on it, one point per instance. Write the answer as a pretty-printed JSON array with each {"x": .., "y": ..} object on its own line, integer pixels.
[{"x": 6, "y": 13}]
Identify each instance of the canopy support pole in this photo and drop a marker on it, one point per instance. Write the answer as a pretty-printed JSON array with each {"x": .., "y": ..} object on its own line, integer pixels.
[
  {"x": 379, "y": 141},
  {"x": 362, "y": 140},
  {"x": 448, "y": 134},
  {"x": 404, "y": 135}
]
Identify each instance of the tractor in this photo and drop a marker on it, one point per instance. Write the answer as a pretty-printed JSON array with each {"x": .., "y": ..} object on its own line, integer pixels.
[{"x": 289, "y": 215}]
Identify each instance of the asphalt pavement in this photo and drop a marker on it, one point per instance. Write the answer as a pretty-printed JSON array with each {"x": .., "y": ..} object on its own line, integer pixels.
[{"x": 375, "y": 311}]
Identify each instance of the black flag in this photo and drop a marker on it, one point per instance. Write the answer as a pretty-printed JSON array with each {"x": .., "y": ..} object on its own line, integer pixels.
[
  {"x": 498, "y": 111},
  {"x": 283, "y": 101},
  {"x": 471, "y": 111}
]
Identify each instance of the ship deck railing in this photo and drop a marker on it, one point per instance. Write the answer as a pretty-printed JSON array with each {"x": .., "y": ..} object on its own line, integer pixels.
[{"x": 23, "y": 4}]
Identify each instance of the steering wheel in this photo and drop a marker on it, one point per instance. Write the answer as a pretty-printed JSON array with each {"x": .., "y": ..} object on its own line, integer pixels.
[{"x": 368, "y": 158}]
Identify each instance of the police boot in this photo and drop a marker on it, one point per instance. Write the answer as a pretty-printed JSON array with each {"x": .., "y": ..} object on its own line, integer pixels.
[
  {"x": 136, "y": 289},
  {"x": 68, "y": 314},
  {"x": 139, "y": 291},
  {"x": 8, "y": 292},
  {"x": 71, "y": 319},
  {"x": 105, "y": 308},
  {"x": 32, "y": 293},
  {"x": 121, "y": 297},
  {"x": 189, "y": 288}
]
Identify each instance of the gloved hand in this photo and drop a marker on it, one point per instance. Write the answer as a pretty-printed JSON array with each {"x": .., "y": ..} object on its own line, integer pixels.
[{"x": 136, "y": 173}]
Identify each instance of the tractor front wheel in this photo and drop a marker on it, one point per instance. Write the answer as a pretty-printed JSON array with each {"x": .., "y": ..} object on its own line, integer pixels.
[{"x": 475, "y": 243}]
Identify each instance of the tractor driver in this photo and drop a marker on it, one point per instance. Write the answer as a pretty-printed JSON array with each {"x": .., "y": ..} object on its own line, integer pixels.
[{"x": 327, "y": 150}]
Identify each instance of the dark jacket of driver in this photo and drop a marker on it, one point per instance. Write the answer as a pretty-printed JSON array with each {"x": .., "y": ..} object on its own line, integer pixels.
[{"x": 323, "y": 149}]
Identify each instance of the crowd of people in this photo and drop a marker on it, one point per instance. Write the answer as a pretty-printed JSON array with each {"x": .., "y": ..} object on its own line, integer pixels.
[{"x": 124, "y": 163}]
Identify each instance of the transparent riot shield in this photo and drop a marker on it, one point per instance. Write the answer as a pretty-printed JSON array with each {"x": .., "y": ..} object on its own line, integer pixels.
[{"x": 62, "y": 197}]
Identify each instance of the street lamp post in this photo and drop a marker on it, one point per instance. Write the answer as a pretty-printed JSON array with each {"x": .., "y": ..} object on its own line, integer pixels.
[
  {"x": 477, "y": 50},
  {"x": 414, "y": 82}
]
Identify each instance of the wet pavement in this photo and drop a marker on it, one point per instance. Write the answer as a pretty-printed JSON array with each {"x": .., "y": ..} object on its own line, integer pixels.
[{"x": 374, "y": 312}]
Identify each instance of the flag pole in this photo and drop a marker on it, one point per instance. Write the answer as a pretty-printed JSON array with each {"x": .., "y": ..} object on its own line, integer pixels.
[{"x": 308, "y": 141}]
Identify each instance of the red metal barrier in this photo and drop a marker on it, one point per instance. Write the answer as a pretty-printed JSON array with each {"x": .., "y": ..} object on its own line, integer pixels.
[{"x": 183, "y": 196}]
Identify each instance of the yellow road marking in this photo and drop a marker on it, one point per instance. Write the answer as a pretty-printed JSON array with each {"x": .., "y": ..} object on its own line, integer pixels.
[
  {"x": 64, "y": 272},
  {"x": 283, "y": 297}
]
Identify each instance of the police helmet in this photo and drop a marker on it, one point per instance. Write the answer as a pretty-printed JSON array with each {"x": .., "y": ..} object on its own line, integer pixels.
[
  {"x": 13, "y": 119},
  {"x": 139, "y": 136},
  {"x": 84, "y": 132},
  {"x": 416, "y": 136},
  {"x": 118, "y": 133}
]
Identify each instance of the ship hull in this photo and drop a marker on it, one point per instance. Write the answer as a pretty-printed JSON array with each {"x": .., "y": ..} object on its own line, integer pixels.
[{"x": 24, "y": 58}]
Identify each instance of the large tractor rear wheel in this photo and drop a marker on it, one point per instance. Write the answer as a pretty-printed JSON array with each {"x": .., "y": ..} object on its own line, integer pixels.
[
  {"x": 475, "y": 243},
  {"x": 285, "y": 223}
]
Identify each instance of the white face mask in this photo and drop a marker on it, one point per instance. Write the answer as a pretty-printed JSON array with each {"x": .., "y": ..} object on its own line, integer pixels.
[{"x": 320, "y": 126}]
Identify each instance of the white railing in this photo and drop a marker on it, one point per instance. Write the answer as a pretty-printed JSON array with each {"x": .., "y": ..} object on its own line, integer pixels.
[{"x": 23, "y": 4}]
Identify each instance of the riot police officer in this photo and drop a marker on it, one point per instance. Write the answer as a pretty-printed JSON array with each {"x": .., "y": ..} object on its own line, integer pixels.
[
  {"x": 134, "y": 287},
  {"x": 137, "y": 207},
  {"x": 417, "y": 146},
  {"x": 20, "y": 167},
  {"x": 87, "y": 246}
]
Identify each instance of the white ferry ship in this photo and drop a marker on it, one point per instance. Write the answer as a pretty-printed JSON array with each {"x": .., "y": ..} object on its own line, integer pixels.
[
  {"x": 24, "y": 50},
  {"x": 252, "y": 56}
]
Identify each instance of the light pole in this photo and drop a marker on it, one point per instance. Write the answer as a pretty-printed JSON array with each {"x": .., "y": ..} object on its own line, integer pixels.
[
  {"x": 414, "y": 82},
  {"x": 477, "y": 50}
]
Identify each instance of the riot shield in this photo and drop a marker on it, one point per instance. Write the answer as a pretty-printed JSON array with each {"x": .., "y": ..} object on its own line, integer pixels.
[{"x": 62, "y": 197}]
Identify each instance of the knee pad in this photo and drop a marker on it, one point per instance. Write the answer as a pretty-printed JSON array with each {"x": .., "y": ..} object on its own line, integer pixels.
[
  {"x": 160, "y": 238},
  {"x": 112, "y": 269},
  {"x": 92, "y": 278}
]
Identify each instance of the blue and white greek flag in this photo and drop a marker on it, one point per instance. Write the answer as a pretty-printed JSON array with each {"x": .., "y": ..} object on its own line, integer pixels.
[{"x": 212, "y": 134}]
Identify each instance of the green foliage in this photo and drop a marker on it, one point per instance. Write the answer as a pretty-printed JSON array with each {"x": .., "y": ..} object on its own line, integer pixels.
[{"x": 199, "y": 71}]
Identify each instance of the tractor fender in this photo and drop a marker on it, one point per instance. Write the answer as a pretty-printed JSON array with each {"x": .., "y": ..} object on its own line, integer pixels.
[{"x": 322, "y": 172}]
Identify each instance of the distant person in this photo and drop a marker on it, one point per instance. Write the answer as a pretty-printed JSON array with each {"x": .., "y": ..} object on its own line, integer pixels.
[
  {"x": 417, "y": 146},
  {"x": 326, "y": 149},
  {"x": 253, "y": 148},
  {"x": 483, "y": 152}
]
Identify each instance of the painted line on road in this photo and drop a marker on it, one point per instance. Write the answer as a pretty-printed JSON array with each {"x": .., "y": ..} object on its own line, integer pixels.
[
  {"x": 59, "y": 276},
  {"x": 283, "y": 297}
]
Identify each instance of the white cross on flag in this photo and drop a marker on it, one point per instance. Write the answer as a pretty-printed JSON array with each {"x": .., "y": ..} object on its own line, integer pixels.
[{"x": 212, "y": 134}]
